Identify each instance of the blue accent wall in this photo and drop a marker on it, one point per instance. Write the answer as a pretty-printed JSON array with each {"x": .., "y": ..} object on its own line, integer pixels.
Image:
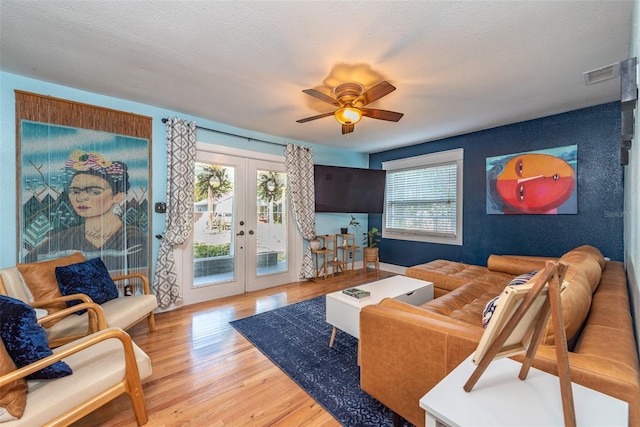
[{"x": 599, "y": 222}]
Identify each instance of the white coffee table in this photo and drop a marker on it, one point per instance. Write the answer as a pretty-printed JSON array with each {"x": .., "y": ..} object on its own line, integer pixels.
[{"x": 343, "y": 312}]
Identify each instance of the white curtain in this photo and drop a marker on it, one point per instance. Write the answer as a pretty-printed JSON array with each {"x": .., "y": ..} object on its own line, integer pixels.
[
  {"x": 181, "y": 154},
  {"x": 299, "y": 162}
]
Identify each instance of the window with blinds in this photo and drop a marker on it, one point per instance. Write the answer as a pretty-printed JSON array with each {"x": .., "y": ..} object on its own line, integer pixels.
[{"x": 423, "y": 198}]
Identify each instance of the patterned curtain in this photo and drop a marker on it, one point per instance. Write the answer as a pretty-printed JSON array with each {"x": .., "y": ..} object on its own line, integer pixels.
[
  {"x": 181, "y": 154},
  {"x": 299, "y": 162}
]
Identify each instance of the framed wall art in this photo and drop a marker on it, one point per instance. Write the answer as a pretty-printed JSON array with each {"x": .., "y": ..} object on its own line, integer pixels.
[
  {"x": 533, "y": 182},
  {"x": 82, "y": 189}
]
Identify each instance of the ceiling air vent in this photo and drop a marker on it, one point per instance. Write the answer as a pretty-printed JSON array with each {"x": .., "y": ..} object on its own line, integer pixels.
[{"x": 602, "y": 74}]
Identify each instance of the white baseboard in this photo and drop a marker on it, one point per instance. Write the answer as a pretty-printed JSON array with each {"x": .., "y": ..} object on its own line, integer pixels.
[{"x": 398, "y": 269}]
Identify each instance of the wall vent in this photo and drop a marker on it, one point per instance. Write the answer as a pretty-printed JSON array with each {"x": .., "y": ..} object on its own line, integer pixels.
[{"x": 601, "y": 74}]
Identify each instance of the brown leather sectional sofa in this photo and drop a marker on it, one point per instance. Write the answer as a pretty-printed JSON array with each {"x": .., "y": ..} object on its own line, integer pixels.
[{"x": 406, "y": 350}]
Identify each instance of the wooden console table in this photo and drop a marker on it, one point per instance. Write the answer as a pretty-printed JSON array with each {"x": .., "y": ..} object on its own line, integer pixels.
[
  {"x": 333, "y": 256},
  {"x": 345, "y": 247},
  {"x": 324, "y": 256}
]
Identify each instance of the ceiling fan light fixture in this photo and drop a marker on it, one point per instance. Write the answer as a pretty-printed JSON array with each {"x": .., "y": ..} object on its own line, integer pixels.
[
  {"x": 350, "y": 99},
  {"x": 348, "y": 115}
]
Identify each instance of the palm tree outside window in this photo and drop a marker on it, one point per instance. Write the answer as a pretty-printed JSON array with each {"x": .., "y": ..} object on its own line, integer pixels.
[{"x": 211, "y": 182}]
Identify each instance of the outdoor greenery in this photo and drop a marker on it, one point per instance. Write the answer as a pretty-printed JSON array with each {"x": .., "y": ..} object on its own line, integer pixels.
[
  {"x": 204, "y": 250},
  {"x": 211, "y": 182},
  {"x": 273, "y": 180},
  {"x": 270, "y": 188}
]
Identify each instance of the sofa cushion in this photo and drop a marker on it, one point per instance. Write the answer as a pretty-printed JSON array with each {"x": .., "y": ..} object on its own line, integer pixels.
[
  {"x": 89, "y": 277},
  {"x": 583, "y": 276},
  {"x": 25, "y": 340},
  {"x": 450, "y": 275},
  {"x": 490, "y": 308},
  {"x": 594, "y": 253},
  {"x": 40, "y": 278},
  {"x": 516, "y": 264},
  {"x": 13, "y": 396},
  {"x": 464, "y": 303},
  {"x": 119, "y": 312}
]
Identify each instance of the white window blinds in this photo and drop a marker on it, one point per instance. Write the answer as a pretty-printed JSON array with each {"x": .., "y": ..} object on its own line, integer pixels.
[{"x": 422, "y": 200}]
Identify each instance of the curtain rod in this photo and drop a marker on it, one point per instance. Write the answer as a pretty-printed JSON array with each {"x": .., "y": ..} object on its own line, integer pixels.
[{"x": 164, "y": 120}]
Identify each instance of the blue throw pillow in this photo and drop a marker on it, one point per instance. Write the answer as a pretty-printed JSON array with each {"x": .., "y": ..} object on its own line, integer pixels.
[
  {"x": 25, "y": 340},
  {"x": 91, "y": 278},
  {"x": 492, "y": 304}
]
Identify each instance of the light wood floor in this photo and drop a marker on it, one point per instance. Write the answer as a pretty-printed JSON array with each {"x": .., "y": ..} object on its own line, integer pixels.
[{"x": 207, "y": 374}]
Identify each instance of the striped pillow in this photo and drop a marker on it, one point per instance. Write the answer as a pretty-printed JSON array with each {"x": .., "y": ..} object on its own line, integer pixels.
[{"x": 490, "y": 308}]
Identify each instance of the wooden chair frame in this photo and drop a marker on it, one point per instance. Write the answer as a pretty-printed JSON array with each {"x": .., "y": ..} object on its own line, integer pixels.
[
  {"x": 130, "y": 384},
  {"x": 139, "y": 280}
]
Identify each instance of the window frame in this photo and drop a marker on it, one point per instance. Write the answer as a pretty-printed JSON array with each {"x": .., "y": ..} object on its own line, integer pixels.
[{"x": 455, "y": 156}]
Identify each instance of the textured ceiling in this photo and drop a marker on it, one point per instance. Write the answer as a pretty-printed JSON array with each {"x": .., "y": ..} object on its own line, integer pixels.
[{"x": 459, "y": 66}]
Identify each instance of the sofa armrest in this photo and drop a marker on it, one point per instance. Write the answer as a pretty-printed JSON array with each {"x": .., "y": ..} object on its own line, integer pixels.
[
  {"x": 404, "y": 354},
  {"x": 517, "y": 264},
  {"x": 64, "y": 298},
  {"x": 96, "y": 321}
]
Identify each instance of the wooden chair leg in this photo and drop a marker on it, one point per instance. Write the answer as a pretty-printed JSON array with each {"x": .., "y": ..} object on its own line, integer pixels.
[
  {"x": 151, "y": 320},
  {"x": 137, "y": 400}
]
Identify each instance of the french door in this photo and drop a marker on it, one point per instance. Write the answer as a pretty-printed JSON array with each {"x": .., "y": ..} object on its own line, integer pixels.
[{"x": 244, "y": 238}]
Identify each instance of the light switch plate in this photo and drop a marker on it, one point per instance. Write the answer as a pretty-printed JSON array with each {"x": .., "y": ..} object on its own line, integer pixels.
[{"x": 161, "y": 207}]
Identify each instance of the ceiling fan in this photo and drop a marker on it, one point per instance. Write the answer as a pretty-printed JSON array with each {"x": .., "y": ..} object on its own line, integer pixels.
[{"x": 350, "y": 98}]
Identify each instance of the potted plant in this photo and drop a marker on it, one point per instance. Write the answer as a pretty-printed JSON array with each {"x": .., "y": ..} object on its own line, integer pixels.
[
  {"x": 371, "y": 239},
  {"x": 353, "y": 223}
]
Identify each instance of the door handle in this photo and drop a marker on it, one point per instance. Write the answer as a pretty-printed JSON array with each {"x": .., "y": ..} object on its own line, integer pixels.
[
  {"x": 251, "y": 232},
  {"x": 241, "y": 233}
]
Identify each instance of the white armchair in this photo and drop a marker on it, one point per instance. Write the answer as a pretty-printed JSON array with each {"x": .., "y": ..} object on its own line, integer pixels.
[
  {"x": 105, "y": 365},
  {"x": 122, "y": 312}
]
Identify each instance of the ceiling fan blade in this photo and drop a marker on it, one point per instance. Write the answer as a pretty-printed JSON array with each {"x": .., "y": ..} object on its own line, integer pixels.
[
  {"x": 376, "y": 92},
  {"x": 348, "y": 129},
  {"x": 321, "y": 96},
  {"x": 390, "y": 116},
  {"x": 319, "y": 116}
]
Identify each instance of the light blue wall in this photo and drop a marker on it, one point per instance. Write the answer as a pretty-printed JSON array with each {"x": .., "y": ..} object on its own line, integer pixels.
[{"x": 8, "y": 170}]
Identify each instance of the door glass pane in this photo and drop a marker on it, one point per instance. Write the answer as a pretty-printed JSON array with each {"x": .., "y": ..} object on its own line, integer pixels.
[
  {"x": 213, "y": 251},
  {"x": 271, "y": 239}
]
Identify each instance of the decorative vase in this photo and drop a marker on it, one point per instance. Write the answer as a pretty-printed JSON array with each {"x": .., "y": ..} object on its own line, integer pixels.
[
  {"x": 344, "y": 230},
  {"x": 314, "y": 244}
]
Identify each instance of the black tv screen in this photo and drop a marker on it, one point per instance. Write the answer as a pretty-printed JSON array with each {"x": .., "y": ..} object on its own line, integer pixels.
[{"x": 349, "y": 190}]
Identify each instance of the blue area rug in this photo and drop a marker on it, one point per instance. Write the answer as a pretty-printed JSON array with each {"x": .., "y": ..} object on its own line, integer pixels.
[{"x": 296, "y": 339}]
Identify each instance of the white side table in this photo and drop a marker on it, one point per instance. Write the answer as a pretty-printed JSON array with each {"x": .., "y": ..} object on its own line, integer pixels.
[{"x": 500, "y": 398}]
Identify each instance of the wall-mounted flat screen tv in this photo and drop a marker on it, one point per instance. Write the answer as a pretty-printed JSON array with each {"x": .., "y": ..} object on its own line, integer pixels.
[{"x": 349, "y": 190}]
